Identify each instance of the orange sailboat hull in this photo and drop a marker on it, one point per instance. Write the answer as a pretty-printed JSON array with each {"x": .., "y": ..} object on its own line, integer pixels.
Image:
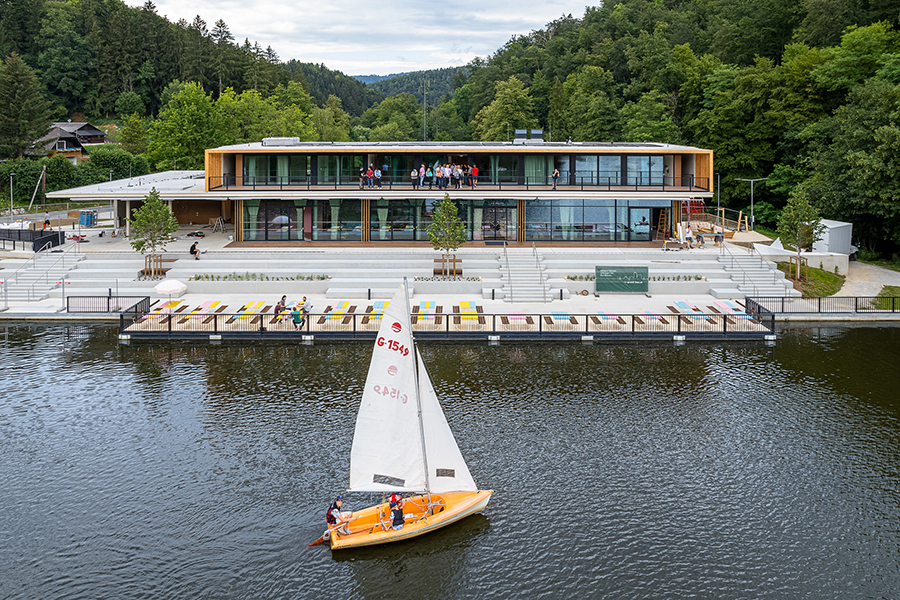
[{"x": 372, "y": 525}]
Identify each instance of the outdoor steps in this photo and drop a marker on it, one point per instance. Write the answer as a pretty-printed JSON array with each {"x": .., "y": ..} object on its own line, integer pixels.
[
  {"x": 36, "y": 278},
  {"x": 754, "y": 276},
  {"x": 522, "y": 279}
]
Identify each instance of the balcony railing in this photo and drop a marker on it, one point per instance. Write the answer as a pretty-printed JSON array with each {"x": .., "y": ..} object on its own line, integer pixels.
[{"x": 593, "y": 183}]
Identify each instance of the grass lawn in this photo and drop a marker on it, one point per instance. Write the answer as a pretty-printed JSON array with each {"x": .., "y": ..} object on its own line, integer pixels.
[
  {"x": 882, "y": 302},
  {"x": 818, "y": 283}
]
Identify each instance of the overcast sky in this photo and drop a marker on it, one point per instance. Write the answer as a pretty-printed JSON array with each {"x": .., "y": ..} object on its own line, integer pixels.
[{"x": 365, "y": 38}]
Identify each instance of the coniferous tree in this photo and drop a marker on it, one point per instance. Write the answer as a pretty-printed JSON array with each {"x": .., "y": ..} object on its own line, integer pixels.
[{"x": 24, "y": 114}]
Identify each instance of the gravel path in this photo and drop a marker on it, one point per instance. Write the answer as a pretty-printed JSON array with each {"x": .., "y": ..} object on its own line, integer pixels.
[{"x": 867, "y": 280}]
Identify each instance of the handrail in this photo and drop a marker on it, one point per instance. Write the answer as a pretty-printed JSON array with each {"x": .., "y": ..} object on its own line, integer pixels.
[
  {"x": 537, "y": 265},
  {"x": 744, "y": 275},
  {"x": 467, "y": 325},
  {"x": 46, "y": 274},
  {"x": 508, "y": 272}
]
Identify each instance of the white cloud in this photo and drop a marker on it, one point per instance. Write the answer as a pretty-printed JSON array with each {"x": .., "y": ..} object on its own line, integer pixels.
[{"x": 362, "y": 38}]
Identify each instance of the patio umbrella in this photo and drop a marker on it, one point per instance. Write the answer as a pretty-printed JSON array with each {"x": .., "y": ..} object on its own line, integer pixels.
[{"x": 169, "y": 287}]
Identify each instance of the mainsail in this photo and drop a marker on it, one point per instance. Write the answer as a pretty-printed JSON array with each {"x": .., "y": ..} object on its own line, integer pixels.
[{"x": 387, "y": 453}]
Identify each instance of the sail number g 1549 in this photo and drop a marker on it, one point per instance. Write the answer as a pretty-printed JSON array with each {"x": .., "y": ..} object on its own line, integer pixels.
[
  {"x": 393, "y": 345},
  {"x": 386, "y": 390}
]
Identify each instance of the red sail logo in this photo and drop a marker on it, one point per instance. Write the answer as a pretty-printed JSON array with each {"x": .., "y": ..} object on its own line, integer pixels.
[{"x": 396, "y": 327}]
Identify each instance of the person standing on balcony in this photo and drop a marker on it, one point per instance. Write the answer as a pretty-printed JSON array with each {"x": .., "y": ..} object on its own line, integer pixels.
[
  {"x": 414, "y": 178},
  {"x": 370, "y": 177},
  {"x": 474, "y": 176},
  {"x": 362, "y": 177},
  {"x": 555, "y": 177},
  {"x": 378, "y": 178},
  {"x": 421, "y": 175}
]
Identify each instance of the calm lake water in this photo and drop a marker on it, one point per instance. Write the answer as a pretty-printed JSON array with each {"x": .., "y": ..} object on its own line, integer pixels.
[{"x": 633, "y": 470}]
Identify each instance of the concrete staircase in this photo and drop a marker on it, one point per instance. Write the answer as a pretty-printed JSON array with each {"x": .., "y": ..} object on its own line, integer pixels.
[
  {"x": 752, "y": 275},
  {"x": 33, "y": 279},
  {"x": 523, "y": 277}
]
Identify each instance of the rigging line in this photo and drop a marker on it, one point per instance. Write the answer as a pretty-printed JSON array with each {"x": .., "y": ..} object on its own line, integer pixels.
[{"x": 412, "y": 346}]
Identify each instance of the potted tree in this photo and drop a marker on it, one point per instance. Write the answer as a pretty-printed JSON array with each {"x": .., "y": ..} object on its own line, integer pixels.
[
  {"x": 151, "y": 227},
  {"x": 447, "y": 233}
]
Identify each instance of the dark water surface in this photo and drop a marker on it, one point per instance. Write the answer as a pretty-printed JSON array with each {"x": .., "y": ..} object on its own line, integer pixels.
[{"x": 650, "y": 470}]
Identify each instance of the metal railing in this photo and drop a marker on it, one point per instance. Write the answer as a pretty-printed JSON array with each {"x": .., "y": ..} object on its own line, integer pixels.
[
  {"x": 456, "y": 325},
  {"x": 108, "y": 304},
  {"x": 745, "y": 276},
  {"x": 323, "y": 182},
  {"x": 537, "y": 265},
  {"x": 43, "y": 277},
  {"x": 508, "y": 273},
  {"x": 822, "y": 305}
]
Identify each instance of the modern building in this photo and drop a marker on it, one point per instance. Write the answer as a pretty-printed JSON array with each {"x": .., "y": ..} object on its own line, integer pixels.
[{"x": 282, "y": 189}]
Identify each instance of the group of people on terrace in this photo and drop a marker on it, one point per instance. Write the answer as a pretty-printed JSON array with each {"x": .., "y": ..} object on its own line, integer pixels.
[{"x": 444, "y": 176}]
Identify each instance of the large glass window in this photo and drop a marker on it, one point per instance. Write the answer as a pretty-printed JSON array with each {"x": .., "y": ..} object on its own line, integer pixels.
[
  {"x": 336, "y": 220},
  {"x": 645, "y": 170},
  {"x": 568, "y": 220},
  {"x": 585, "y": 170},
  {"x": 502, "y": 168},
  {"x": 610, "y": 170},
  {"x": 275, "y": 169},
  {"x": 273, "y": 220},
  {"x": 599, "y": 220},
  {"x": 537, "y": 220},
  {"x": 538, "y": 169}
]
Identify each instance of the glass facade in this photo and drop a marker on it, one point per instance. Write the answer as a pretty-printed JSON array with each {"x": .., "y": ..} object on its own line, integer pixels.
[
  {"x": 588, "y": 220},
  {"x": 517, "y": 168},
  {"x": 389, "y": 220}
]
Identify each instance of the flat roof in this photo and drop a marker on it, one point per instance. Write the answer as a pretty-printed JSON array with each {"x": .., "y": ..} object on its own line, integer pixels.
[
  {"x": 169, "y": 184},
  {"x": 531, "y": 146}
]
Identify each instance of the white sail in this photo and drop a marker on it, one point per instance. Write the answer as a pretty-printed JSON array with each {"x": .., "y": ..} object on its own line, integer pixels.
[
  {"x": 387, "y": 445},
  {"x": 387, "y": 453},
  {"x": 447, "y": 470}
]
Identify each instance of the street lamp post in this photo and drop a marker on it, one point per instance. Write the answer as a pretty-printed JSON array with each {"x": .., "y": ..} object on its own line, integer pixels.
[
  {"x": 752, "y": 181},
  {"x": 110, "y": 174},
  {"x": 11, "y": 175}
]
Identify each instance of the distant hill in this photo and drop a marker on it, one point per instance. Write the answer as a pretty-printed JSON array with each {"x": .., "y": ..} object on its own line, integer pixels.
[
  {"x": 440, "y": 83},
  {"x": 369, "y": 79},
  {"x": 322, "y": 82}
]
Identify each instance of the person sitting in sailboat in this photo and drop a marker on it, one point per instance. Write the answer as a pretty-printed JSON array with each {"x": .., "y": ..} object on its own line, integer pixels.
[
  {"x": 397, "y": 519},
  {"x": 334, "y": 516}
]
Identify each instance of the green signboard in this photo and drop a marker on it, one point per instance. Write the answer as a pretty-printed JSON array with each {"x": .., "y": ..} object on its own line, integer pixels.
[{"x": 622, "y": 279}]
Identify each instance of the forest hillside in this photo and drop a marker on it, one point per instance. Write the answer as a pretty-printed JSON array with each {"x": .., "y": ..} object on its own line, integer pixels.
[{"x": 803, "y": 93}]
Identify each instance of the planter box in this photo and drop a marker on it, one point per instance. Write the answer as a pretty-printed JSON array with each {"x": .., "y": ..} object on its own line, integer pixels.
[
  {"x": 266, "y": 288},
  {"x": 447, "y": 287}
]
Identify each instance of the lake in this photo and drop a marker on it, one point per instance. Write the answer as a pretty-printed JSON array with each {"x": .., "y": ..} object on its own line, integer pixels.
[{"x": 621, "y": 470}]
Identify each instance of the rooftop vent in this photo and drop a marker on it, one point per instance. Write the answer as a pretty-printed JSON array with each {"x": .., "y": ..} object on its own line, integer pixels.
[
  {"x": 537, "y": 136},
  {"x": 281, "y": 141},
  {"x": 521, "y": 136}
]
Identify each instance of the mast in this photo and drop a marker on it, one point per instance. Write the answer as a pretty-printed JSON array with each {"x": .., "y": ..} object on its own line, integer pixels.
[{"x": 412, "y": 345}]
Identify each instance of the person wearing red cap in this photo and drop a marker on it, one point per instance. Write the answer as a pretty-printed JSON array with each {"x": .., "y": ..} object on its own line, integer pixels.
[{"x": 397, "y": 519}]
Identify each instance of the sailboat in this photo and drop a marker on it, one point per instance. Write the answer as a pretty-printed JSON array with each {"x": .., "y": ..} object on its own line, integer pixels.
[{"x": 403, "y": 444}]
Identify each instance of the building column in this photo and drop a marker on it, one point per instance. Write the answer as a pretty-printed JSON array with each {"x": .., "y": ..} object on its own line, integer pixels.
[{"x": 127, "y": 216}]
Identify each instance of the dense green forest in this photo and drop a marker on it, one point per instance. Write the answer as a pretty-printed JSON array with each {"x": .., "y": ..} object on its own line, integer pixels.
[
  {"x": 804, "y": 93},
  {"x": 437, "y": 82}
]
